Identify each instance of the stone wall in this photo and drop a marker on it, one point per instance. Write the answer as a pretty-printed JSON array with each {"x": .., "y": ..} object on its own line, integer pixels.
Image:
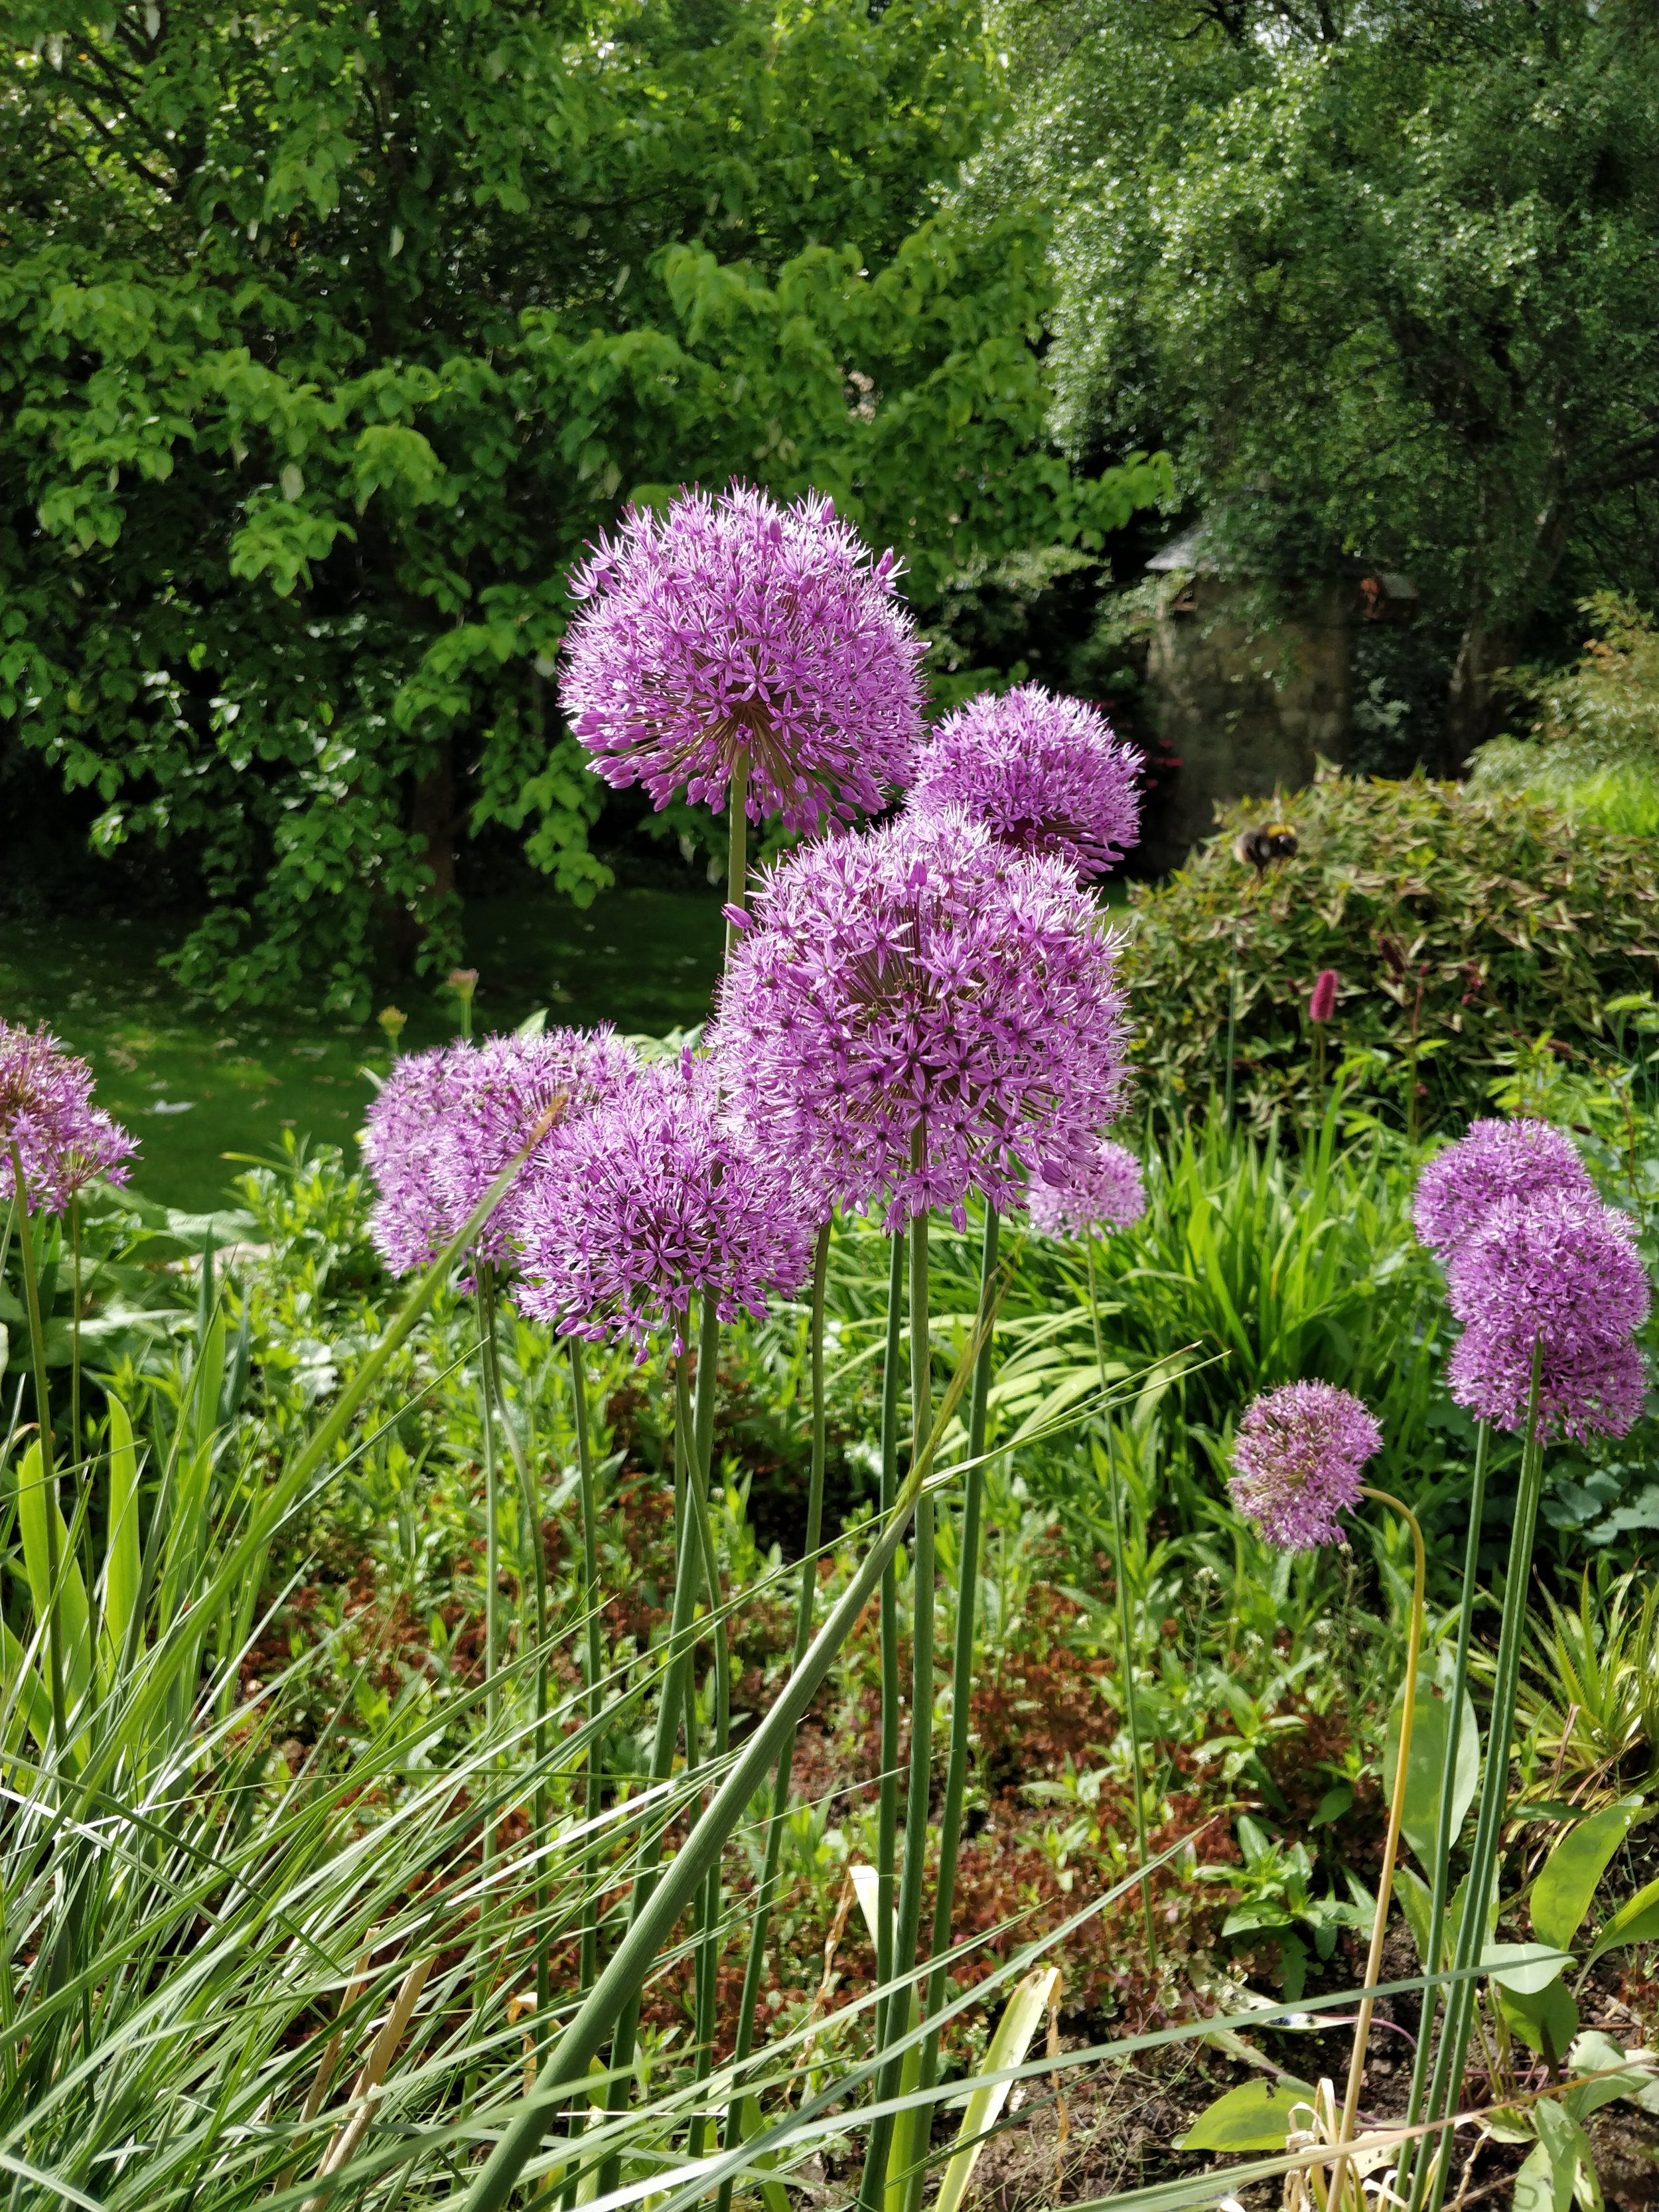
[{"x": 1245, "y": 712}]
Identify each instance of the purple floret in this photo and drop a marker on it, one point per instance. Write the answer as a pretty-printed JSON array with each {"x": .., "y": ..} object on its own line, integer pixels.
[
  {"x": 734, "y": 625},
  {"x": 1042, "y": 773},
  {"x": 1560, "y": 1270},
  {"x": 64, "y": 1141},
  {"x": 921, "y": 980},
  {"x": 446, "y": 1123},
  {"x": 1105, "y": 1193},
  {"x": 1495, "y": 1160},
  {"x": 1299, "y": 1461},
  {"x": 647, "y": 1203}
]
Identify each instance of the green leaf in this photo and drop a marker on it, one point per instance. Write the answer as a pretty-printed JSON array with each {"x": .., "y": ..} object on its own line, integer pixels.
[
  {"x": 1561, "y": 1895},
  {"x": 1022, "y": 2016},
  {"x": 1636, "y": 1921},
  {"x": 1257, "y": 2115},
  {"x": 1425, "y": 1770},
  {"x": 1416, "y": 1902},
  {"x": 122, "y": 1555},
  {"x": 1526, "y": 1968},
  {"x": 1545, "y": 2020}
]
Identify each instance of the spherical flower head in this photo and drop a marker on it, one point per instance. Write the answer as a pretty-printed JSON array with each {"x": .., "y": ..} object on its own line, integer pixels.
[
  {"x": 446, "y": 1123},
  {"x": 1298, "y": 1461},
  {"x": 1495, "y": 1160},
  {"x": 732, "y": 626},
  {"x": 922, "y": 983},
  {"x": 1043, "y": 773},
  {"x": 64, "y": 1141},
  {"x": 1557, "y": 1270},
  {"x": 646, "y": 1203},
  {"x": 1105, "y": 1193}
]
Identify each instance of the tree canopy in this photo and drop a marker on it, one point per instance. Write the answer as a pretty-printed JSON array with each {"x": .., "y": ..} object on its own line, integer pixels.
[{"x": 330, "y": 334}]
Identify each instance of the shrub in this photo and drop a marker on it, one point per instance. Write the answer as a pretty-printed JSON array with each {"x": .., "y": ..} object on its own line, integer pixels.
[{"x": 1464, "y": 927}]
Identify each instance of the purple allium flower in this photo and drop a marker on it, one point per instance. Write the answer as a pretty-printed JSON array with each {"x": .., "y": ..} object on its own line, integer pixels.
[
  {"x": 647, "y": 1201},
  {"x": 1044, "y": 775},
  {"x": 446, "y": 1123},
  {"x": 1322, "y": 1005},
  {"x": 923, "y": 979},
  {"x": 1560, "y": 1269},
  {"x": 1494, "y": 1160},
  {"x": 1105, "y": 1193},
  {"x": 734, "y": 625},
  {"x": 64, "y": 1140},
  {"x": 1298, "y": 1461}
]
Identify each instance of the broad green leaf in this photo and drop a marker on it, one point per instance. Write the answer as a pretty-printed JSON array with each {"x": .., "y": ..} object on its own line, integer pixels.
[
  {"x": 1257, "y": 2115},
  {"x": 1545, "y": 2020},
  {"x": 1595, "y": 2053},
  {"x": 1526, "y": 1968},
  {"x": 23, "y": 1687},
  {"x": 1636, "y": 1921},
  {"x": 1567, "y": 2147},
  {"x": 1534, "y": 2184},
  {"x": 1022, "y": 2016},
  {"x": 209, "y": 1381},
  {"x": 122, "y": 1557},
  {"x": 1561, "y": 1895},
  {"x": 1416, "y": 1902},
  {"x": 1425, "y": 1768},
  {"x": 32, "y": 1508}
]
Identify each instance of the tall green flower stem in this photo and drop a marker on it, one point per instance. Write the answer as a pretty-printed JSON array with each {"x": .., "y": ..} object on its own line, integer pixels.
[
  {"x": 889, "y": 2132},
  {"x": 706, "y": 1972},
  {"x": 1472, "y": 1933},
  {"x": 1125, "y": 1610},
  {"x": 1444, "y": 1838},
  {"x": 887, "y": 1797},
  {"x": 625, "y": 1973},
  {"x": 593, "y": 1667},
  {"x": 492, "y": 1539},
  {"x": 737, "y": 848},
  {"x": 743, "y": 2111},
  {"x": 1390, "y": 1842},
  {"x": 48, "y": 1467}
]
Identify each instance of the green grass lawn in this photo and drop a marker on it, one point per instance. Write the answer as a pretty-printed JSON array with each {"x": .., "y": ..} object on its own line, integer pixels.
[{"x": 195, "y": 1085}]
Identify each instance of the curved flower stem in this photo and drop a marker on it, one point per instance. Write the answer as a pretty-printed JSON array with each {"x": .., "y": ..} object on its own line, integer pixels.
[
  {"x": 1125, "y": 1618},
  {"x": 1391, "y": 1841},
  {"x": 1444, "y": 1838},
  {"x": 1472, "y": 1933},
  {"x": 48, "y": 1469},
  {"x": 737, "y": 848},
  {"x": 743, "y": 2109},
  {"x": 594, "y": 1696}
]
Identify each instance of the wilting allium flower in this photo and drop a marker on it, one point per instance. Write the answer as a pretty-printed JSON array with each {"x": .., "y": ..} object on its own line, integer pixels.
[
  {"x": 446, "y": 1123},
  {"x": 1559, "y": 1271},
  {"x": 734, "y": 625},
  {"x": 1322, "y": 1005},
  {"x": 1042, "y": 773},
  {"x": 1495, "y": 1160},
  {"x": 64, "y": 1140},
  {"x": 646, "y": 1202},
  {"x": 1106, "y": 1192},
  {"x": 1298, "y": 1461},
  {"x": 922, "y": 981}
]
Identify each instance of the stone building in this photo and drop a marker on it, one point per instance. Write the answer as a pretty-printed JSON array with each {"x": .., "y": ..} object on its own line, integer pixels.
[{"x": 1245, "y": 710}]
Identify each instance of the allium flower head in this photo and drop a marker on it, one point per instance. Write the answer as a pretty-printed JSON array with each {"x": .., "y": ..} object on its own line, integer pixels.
[
  {"x": 921, "y": 980},
  {"x": 1495, "y": 1160},
  {"x": 1105, "y": 1193},
  {"x": 446, "y": 1123},
  {"x": 1298, "y": 1458},
  {"x": 733, "y": 625},
  {"x": 1045, "y": 774},
  {"x": 1560, "y": 1270},
  {"x": 64, "y": 1140},
  {"x": 648, "y": 1202}
]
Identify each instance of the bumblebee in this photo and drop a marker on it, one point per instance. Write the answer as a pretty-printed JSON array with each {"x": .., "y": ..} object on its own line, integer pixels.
[{"x": 1274, "y": 841}]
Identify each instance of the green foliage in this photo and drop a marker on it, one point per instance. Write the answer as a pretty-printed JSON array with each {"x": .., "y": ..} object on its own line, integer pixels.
[
  {"x": 1594, "y": 747},
  {"x": 1467, "y": 931}
]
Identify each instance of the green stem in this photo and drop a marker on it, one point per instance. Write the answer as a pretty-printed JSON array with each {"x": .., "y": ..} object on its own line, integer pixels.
[
  {"x": 1232, "y": 1022},
  {"x": 737, "y": 848},
  {"x": 48, "y": 1469},
  {"x": 619, "y": 1986},
  {"x": 492, "y": 1548},
  {"x": 1125, "y": 1613},
  {"x": 744, "y": 2109},
  {"x": 887, "y": 1799},
  {"x": 593, "y": 1691},
  {"x": 962, "y": 1670},
  {"x": 1448, "y": 2080},
  {"x": 1443, "y": 1838}
]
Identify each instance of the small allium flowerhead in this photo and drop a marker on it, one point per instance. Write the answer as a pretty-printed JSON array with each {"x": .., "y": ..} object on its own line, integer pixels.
[
  {"x": 64, "y": 1140},
  {"x": 1044, "y": 775},
  {"x": 1559, "y": 1270},
  {"x": 1298, "y": 1458},
  {"x": 1322, "y": 1005},
  {"x": 734, "y": 625},
  {"x": 446, "y": 1123},
  {"x": 1105, "y": 1193},
  {"x": 1494, "y": 1160},
  {"x": 648, "y": 1202},
  {"x": 921, "y": 980}
]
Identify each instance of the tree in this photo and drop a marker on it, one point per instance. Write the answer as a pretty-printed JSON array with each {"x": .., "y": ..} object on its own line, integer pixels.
[
  {"x": 1380, "y": 277},
  {"x": 330, "y": 337}
]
